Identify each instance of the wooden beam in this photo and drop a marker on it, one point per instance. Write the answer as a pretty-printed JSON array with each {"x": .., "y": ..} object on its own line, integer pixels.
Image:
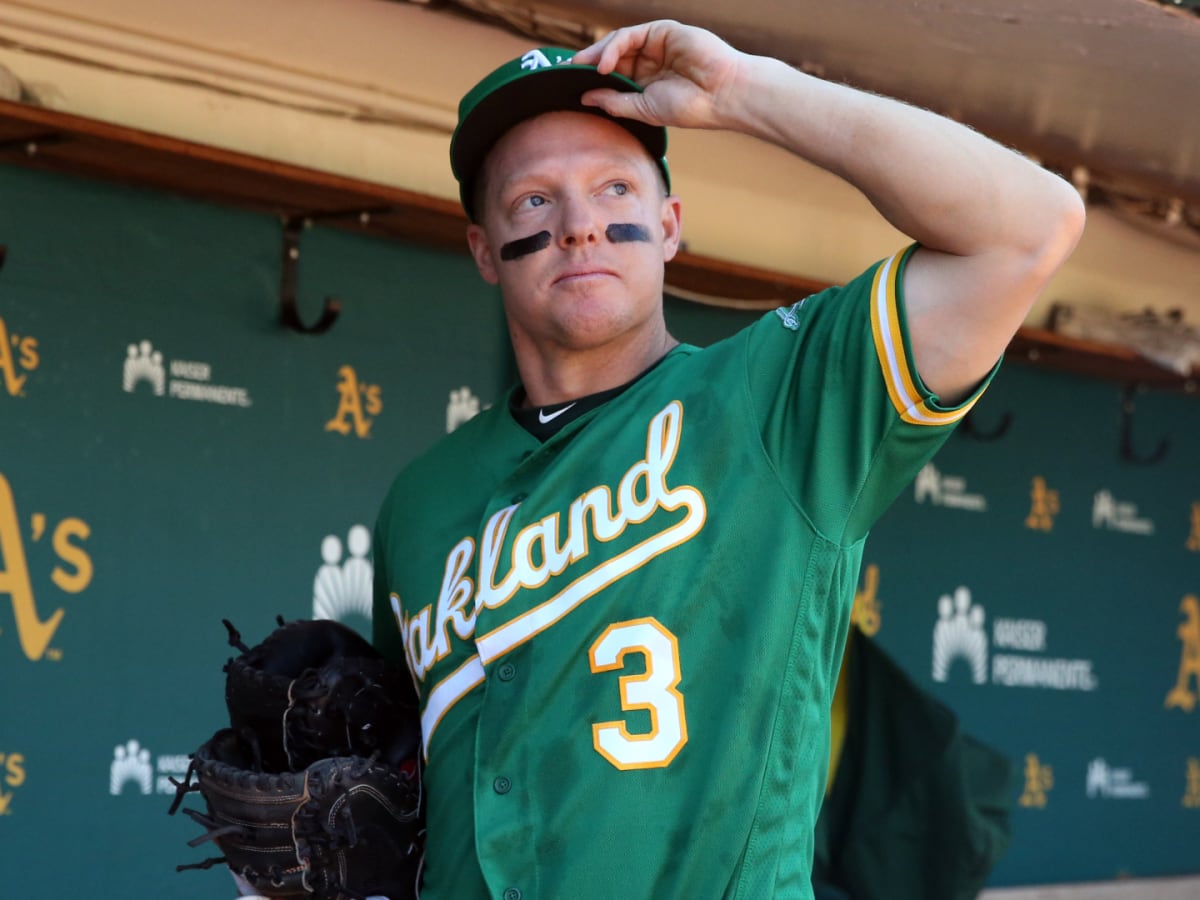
[{"x": 64, "y": 143}]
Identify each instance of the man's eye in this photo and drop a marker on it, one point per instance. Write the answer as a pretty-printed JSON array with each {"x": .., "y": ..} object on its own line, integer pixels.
[
  {"x": 619, "y": 188},
  {"x": 532, "y": 200}
]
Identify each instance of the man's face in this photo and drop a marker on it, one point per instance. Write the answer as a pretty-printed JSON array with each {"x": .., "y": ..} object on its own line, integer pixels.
[{"x": 575, "y": 229}]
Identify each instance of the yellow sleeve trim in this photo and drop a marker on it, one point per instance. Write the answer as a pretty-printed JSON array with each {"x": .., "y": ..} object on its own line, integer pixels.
[{"x": 894, "y": 363}]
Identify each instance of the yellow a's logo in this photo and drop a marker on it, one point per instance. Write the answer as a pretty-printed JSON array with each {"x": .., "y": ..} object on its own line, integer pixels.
[
  {"x": 1182, "y": 694},
  {"x": 34, "y": 631},
  {"x": 357, "y": 401},
  {"x": 12, "y": 774},
  {"x": 865, "y": 612},
  {"x": 1191, "y": 793},
  {"x": 18, "y": 357},
  {"x": 1044, "y": 506},
  {"x": 1193, "y": 541},
  {"x": 1039, "y": 779}
]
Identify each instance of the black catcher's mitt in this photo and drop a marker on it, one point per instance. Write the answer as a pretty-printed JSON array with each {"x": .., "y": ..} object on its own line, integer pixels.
[{"x": 315, "y": 789}]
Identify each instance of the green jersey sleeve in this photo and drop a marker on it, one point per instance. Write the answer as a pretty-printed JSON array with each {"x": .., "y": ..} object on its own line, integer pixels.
[{"x": 844, "y": 415}]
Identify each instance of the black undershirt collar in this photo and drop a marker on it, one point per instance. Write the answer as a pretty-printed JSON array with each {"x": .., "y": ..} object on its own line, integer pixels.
[{"x": 543, "y": 422}]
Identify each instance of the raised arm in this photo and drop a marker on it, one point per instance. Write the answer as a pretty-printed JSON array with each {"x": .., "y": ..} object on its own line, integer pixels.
[{"x": 993, "y": 227}]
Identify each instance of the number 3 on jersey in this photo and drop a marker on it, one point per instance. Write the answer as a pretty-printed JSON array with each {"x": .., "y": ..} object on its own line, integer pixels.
[{"x": 654, "y": 691}]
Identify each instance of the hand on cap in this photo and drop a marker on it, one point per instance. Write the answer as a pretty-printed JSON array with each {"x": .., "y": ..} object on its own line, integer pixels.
[{"x": 686, "y": 74}]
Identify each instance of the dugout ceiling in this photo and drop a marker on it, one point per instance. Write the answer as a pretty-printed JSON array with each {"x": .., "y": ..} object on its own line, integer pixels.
[{"x": 1102, "y": 84}]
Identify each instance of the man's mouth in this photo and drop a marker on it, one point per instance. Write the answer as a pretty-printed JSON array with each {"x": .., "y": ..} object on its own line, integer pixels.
[{"x": 577, "y": 275}]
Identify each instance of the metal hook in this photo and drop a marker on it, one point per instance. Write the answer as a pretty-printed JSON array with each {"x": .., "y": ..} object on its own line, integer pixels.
[
  {"x": 968, "y": 427},
  {"x": 289, "y": 316},
  {"x": 1127, "y": 451}
]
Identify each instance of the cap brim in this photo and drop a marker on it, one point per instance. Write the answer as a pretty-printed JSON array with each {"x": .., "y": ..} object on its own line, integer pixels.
[{"x": 552, "y": 89}]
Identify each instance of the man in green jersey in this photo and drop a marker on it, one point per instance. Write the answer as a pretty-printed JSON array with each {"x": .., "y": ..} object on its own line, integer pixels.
[{"x": 623, "y": 592}]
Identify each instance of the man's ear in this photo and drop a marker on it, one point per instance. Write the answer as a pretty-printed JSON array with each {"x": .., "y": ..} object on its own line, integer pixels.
[
  {"x": 481, "y": 249},
  {"x": 672, "y": 225}
]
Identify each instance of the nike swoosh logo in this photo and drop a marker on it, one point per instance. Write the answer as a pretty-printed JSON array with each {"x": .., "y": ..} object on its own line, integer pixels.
[{"x": 550, "y": 417}]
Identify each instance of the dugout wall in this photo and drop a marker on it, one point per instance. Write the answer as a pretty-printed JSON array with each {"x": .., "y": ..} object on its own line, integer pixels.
[{"x": 170, "y": 456}]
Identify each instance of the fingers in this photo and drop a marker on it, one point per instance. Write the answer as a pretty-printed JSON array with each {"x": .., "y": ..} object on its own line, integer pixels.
[
  {"x": 590, "y": 56},
  {"x": 601, "y": 54},
  {"x": 621, "y": 104},
  {"x": 618, "y": 50}
]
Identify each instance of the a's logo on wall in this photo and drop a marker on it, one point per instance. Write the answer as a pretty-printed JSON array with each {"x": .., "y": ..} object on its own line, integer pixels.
[
  {"x": 181, "y": 379},
  {"x": 462, "y": 406},
  {"x": 133, "y": 771},
  {"x": 1044, "y": 506},
  {"x": 1193, "y": 541},
  {"x": 1039, "y": 779},
  {"x": 12, "y": 776},
  {"x": 1108, "y": 782},
  {"x": 18, "y": 357},
  {"x": 959, "y": 634},
  {"x": 343, "y": 586},
  {"x": 1191, "y": 791},
  {"x": 72, "y": 571},
  {"x": 866, "y": 610},
  {"x": 1183, "y": 695},
  {"x": 18, "y": 353},
  {"x": 358, "y": 402},
  {"x": 1116, "y": 515},
  {"x": 946, "y": 490}
]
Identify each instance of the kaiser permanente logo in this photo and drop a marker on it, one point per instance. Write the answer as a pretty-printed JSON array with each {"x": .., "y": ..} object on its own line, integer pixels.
[
  {"x": 462, "y": 406},
  {"x": 960, "y": 636},
  {"x": 343, "y": 586},
  {"x": 134, "y": 770},
  {"x": 1116, "y": 515},
  {"x": 1107, "y": 782},
  {"x": 946, "y": 490},
  {"x": 177, "y": 378}
]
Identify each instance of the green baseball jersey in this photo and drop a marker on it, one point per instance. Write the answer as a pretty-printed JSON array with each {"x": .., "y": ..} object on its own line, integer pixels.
[{"x": 626, "y": 638}]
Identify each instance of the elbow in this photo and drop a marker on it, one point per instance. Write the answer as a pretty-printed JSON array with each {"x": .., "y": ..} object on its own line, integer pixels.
[
  {"x": 1062, "y": 217},
  {"x": 1072, "y": 217}
]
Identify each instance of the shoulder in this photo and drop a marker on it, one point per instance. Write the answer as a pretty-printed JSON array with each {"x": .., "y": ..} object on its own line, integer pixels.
[{"x": 457, "y": 456}]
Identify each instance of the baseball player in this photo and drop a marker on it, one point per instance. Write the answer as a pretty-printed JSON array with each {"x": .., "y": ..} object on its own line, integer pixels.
[{"x": 623, "y": 591}]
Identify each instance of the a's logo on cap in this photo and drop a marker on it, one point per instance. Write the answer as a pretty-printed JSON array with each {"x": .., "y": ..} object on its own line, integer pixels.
[{"x": 536, "y": 59}]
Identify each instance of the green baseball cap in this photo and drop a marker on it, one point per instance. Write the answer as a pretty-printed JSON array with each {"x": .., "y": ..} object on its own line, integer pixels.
[{"x": 542, "y": 80}]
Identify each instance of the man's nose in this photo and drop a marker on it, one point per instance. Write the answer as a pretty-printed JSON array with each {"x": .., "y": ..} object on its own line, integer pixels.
[{"x": 580, "y": 226}]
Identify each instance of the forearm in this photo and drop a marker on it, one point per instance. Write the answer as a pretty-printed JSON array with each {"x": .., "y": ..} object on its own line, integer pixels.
[
  {"x": 935, "y": 180},
  {"x": 993, "y": 226}
]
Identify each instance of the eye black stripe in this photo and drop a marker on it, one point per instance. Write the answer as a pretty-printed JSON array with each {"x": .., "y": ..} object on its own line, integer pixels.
[
  {"x": 524, "y": 246},
  {"x": 620, "y": 233}
]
